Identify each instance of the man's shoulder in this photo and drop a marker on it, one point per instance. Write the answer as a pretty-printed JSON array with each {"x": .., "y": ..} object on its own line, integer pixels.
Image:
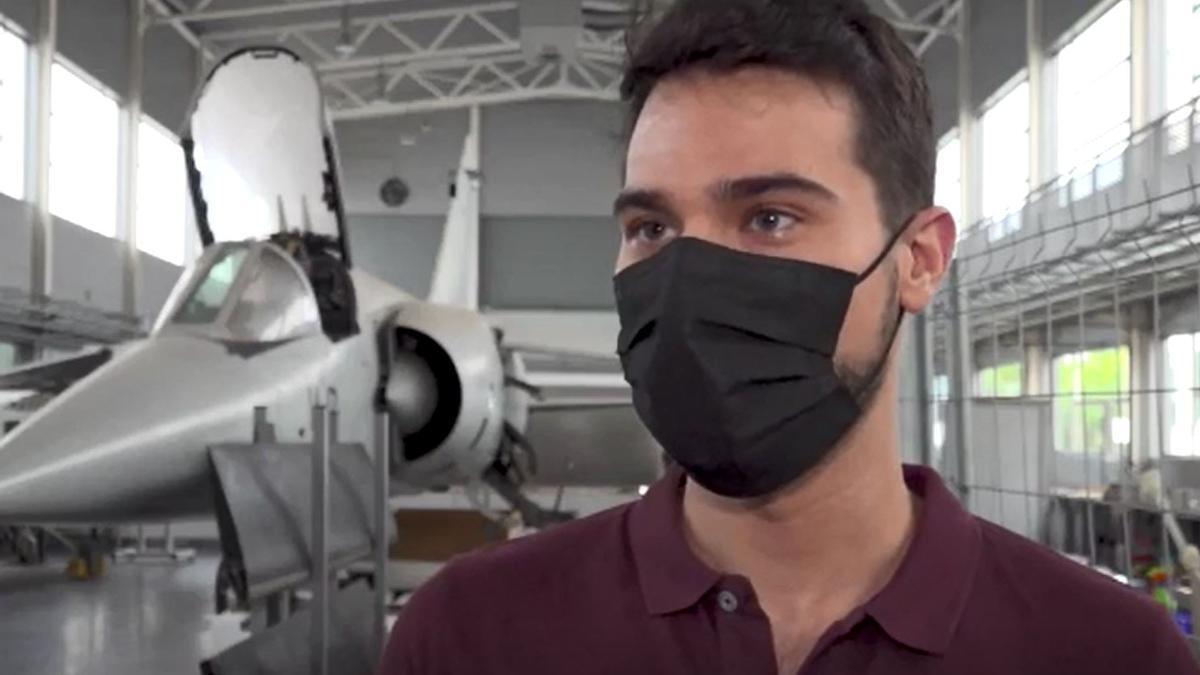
[
  {"x": 478, "y": 605},
  {"x": 1070, "y": 612},
  {"x": 1021, "y": 563}
]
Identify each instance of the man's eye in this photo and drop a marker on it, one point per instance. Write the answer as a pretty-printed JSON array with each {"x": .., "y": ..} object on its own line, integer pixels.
[
  {"x": 647, "y": 232},
  {"x": 772, "y": 222}
]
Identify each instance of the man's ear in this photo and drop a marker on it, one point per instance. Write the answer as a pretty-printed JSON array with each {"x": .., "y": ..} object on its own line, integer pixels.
[{"x": 930, "y": 248}]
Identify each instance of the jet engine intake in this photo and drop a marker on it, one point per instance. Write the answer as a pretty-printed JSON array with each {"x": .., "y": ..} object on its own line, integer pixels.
[{"x": 444, "y": 389}]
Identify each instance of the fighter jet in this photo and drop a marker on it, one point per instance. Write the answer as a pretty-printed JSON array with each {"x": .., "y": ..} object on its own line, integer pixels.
[{"x": 274, "y": 314}]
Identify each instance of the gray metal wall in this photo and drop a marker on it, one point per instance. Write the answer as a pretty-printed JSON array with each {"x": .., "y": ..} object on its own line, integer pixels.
[
  {"x": 547, "y": 158},
  {"x": 997, "y": 45},
  {"x": 169, "y": 77},
  {"x": 547, "y": 262},
  {"x": 399, "y": 249},
  {"x": 550, "y": 171},
  {"x": 87, "y": 266},
  {"x": 998, "y": 50},
  {"x": 552, "y": 158},
  {"x": 94, "y": 35},
  {"x": 16, "y": 236},
  {"x": 371, "y": 152}
]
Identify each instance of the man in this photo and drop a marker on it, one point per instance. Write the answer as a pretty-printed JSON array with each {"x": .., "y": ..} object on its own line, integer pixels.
[{"x": 776, "y": 226}]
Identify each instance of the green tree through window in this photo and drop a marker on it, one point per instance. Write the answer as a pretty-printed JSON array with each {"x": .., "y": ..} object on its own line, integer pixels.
[
  {"x": 1092, "y": 402},
  {"x": 1002, "y": 381}
]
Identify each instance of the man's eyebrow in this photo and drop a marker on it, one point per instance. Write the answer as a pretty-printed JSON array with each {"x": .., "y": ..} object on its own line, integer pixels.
[
  {"x": 636, "y": 198},
  {"x": 753, "y": 186}
]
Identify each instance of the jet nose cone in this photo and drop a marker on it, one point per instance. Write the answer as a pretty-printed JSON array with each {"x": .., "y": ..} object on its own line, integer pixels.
[{"x": 120, "y": 444}]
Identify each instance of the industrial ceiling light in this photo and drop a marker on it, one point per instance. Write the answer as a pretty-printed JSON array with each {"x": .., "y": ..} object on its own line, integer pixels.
[{"x": 345, "y": 44}]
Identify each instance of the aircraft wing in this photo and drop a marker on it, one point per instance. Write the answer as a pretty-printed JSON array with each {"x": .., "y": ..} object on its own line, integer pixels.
[
  {"x": 54, "y": 375},
  {"x": 600, "y": 446},
  {"x": 582, "y": 426}
]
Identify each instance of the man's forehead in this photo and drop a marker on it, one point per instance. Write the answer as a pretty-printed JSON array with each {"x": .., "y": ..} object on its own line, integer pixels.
[
  {"x": 757, "y": 86},
  {"x": 701, "y": 128}
]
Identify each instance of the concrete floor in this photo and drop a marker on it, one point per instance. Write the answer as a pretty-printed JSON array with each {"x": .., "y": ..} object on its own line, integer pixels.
[{"x": 141, "y": 618}]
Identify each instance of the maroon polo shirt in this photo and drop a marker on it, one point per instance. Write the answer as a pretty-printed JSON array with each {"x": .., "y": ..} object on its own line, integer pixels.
[{"x": 622, "y": 593}]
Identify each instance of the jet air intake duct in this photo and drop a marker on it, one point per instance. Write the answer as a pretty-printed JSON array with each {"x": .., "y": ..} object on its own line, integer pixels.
[{"x": 445, "y": 392}]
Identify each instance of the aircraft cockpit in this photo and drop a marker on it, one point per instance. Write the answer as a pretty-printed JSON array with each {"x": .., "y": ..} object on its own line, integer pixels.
[
  {"x": 263, "y": 180},
  {"x": 244, "y": 292}
]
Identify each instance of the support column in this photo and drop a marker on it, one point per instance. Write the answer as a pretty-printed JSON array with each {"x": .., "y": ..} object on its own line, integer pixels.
[
  {"x": 1144, "y": 355},
  {"x": 970, "y": 140},
  {"x": 960, "y": 349},
  {"x": 1147, "y": 62},
  {"x": 41, "y": 265},
  {"x": 1036, "y": 370},
  {"x": 1041, "y": 118},
  {"x": 127, "y": 197}
]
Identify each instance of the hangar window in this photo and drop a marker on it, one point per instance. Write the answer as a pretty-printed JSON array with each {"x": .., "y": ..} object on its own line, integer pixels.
[
  {"x": 1094, "y": 103},
  {"x": 14, "y": 55},
  {"x": 1183, "y": 52},
  {"x": 1005, "y": 126},
  {"x": 1092, "y": 402},
  {"x": 948, "y": 186},
  {"x": 1002, "y": 381},
  {"x": 83, "y": 152},
  {"x": 1182, "y": 74},
  {"x": 161, "y": 194},
  {"x": 1182, "y": 373},
  {"x": 275, "y": 304},
  {"x": 208, "y": 297}
]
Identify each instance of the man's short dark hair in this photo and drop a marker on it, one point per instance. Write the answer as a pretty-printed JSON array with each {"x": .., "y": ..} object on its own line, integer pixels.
[{"x": 831, "y": 41}]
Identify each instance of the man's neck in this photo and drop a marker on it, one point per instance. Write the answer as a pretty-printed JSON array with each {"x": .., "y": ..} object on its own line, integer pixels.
[{"x": 832, "y": 539}]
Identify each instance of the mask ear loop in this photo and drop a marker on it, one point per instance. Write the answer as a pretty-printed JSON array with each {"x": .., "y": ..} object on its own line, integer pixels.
[
  {"x": 877, "y": 373},
  {"x": 886, "y": 250}
]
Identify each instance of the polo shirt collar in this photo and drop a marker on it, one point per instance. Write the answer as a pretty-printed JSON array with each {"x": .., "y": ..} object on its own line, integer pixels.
[
  {"x": 922, "y": 604},
  {"x": 672, "y": 578},
  {"x": 920, "y": 607}
]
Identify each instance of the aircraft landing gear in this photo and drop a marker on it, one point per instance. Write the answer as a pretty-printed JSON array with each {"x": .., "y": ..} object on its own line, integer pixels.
[
  {"x": 90, "y": 560},
  {"x": 26, "y": 544}
]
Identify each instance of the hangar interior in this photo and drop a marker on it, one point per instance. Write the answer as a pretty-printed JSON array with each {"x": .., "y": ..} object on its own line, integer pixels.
[{"x": 1054, "y": 382}]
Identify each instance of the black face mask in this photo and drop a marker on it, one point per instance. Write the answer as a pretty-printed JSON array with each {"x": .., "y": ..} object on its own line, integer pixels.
[{"x": 730, "y": 357}]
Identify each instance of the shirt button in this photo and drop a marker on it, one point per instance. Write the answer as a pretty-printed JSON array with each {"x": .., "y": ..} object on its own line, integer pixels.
[{"x": 727, "y": 601}]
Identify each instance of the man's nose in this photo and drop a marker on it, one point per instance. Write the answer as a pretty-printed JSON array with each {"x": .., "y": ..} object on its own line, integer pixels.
[{"x": 714, "y": 231}]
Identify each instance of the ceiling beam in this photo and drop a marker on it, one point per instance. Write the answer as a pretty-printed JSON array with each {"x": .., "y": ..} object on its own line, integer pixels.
[
  {"x": 374, "y": 110},
  {"x": 894, "y": 5},
  {"x": 269, "y": 9},
  {"x": 396, "y": 17},
  {"x": 354, "y": 68},
  {"x": 166, "y": 16},
  {"x": 465, "y": 57},
  {"x": 294, "y": 6},
  {"x": 949, "y": 14}
]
